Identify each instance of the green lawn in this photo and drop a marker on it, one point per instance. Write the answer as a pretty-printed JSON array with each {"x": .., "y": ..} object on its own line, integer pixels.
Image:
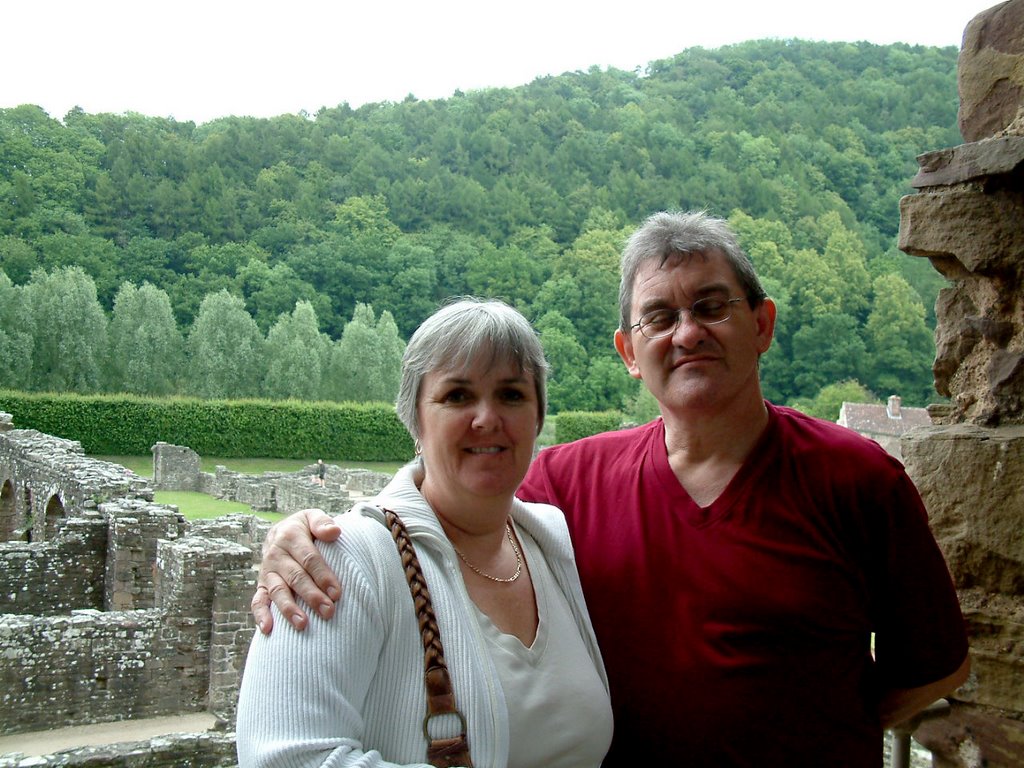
[
  {"x": 197, "y": 506},
  {"x": 143, "y": 465}
]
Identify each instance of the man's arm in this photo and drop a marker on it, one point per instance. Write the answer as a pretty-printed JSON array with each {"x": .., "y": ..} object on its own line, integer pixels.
[
  {"x": 292, "y": 565},
  {"x": 899, "y": 705}
]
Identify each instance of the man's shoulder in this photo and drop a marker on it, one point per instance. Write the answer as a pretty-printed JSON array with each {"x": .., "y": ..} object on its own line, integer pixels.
[
  {"x": 825, "y": 439},
  {"x": 611, "y": 443}
]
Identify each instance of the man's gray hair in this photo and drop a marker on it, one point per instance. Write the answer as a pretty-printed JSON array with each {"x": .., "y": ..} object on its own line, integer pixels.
[
  {"x": 669, "y": 234},
  {"x": 461, "y": 335}
]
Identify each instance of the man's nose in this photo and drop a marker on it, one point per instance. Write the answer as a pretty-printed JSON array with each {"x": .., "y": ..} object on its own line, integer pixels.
[{"x": 687, "y": 330}]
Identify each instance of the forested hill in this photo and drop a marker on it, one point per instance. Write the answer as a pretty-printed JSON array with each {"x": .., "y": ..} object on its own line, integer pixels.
[{"x": 523, "y": 193}]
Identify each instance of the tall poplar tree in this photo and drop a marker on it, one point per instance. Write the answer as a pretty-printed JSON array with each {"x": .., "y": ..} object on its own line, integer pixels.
[
  {"x": 296, "y": 355},
  {"x": 70, "y": 331},
  {"x": 146, "y": 349},
  {"x": 15, "y": 336},
  {"x": 366, "y": 361},
  {"x": 225, "y": 349}
]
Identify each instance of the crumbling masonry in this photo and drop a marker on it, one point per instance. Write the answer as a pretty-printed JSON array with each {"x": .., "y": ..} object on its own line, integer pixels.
[
  {"x": 968, "y": 220},
  {"x": 114, "y": 607}
]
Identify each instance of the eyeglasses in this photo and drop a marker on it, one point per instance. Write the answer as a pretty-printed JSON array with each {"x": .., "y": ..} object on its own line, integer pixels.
[{"x": 663, "y": 322}]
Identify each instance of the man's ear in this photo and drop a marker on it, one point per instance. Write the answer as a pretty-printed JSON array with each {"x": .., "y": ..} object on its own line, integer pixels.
[
  {"x": 764, "y": 316},
  {"x": 624, "y": 346}
]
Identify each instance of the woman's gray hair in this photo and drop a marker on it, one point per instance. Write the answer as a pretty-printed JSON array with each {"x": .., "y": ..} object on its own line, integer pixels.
[
  {"x": 459, "y": 336},
  {"x": 668, "y": 234}
]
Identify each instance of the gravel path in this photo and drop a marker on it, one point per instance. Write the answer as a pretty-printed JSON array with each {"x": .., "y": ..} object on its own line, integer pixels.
[{"x": 47, "y": 742}]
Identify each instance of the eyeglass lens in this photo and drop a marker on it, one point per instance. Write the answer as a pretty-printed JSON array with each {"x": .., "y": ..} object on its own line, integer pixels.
[{"x": 707, "y": 311}]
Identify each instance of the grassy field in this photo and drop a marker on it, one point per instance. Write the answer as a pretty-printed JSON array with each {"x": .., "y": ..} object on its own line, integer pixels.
[
  {"x": 198, "y": 506},
  {"x": 143, "y": 465}
]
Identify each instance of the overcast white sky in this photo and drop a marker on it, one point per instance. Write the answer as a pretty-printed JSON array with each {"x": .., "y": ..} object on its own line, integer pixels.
[{"x": 202, "y": 59}]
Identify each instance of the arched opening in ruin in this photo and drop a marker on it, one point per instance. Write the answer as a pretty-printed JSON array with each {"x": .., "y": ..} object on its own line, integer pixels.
[
  {"x": 8, "y": 521},
  {"x": 29, "y": 518},
  {"x": 54, "y": 514}
]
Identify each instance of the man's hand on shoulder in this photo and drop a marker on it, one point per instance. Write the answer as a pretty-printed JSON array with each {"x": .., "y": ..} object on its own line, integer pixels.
[{"x": 292, "y": 566}]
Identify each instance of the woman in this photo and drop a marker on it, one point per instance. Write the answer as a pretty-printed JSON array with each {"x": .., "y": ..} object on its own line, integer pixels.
[{"x": 524, "y": 663}]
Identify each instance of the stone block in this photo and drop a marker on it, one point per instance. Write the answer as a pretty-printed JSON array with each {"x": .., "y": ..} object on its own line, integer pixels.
[
  {"x": 990, "y": 71},
  {"x": 971, "y": 480},
  {"x": 980, "y": 231},
  {"x": 969, "y": 738}
]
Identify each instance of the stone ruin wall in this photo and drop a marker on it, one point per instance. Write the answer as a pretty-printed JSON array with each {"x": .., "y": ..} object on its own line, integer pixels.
[
  {"x": 177, "y": 468},
  {"x": 114, "y": 607},
  {"x": 100, "y": 666},
  {"x": 967, "y": 218}
]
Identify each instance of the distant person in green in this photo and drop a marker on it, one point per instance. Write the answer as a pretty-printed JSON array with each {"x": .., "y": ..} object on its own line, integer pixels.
[{"x": 321, "y": 472}]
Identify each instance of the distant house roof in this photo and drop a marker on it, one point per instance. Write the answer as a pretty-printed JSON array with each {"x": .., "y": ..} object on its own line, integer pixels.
[{"x": 891, "y": 419}]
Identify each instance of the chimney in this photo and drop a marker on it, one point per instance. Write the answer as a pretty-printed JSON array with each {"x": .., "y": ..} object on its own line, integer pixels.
[{"x": 892, "y": 408}]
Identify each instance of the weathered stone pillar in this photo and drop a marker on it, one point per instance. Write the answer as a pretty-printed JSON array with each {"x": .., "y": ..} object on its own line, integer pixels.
[
  {"x": 187, "y": 573},
  {"x": 176, "y": 468},
  {"x": 968, "y": 220},
  {"x": 135, "y": 528},
  {"x": 230, "y": 636}
]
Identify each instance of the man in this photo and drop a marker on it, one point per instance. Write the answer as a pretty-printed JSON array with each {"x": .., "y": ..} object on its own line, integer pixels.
[{"x": 764, "y": 586}]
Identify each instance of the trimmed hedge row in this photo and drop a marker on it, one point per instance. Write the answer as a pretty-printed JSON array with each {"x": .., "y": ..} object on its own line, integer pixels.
[
  {"x": 572, "y": 425},
  {"x": 129, "y": 425}
]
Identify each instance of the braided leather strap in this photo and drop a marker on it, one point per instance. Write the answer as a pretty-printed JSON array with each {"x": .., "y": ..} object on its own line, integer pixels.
[{"x": 441, "y": 753}]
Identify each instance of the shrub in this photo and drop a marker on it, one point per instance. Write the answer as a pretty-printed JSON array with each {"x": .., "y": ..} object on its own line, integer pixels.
[
  {"x": 572, "y": 425},
  {"x": 130, "y": 425}
]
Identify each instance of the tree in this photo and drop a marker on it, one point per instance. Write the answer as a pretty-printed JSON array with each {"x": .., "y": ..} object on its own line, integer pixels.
[
  {"x": 70, "y": 331},
  {"x": 296, "y": 355},
  {"x": 148, "y": 260},
  {"x": 146, "y": 349},
  {"x": 509, "y": 274},
  {"x": 94, "y": 255},
  {"x": 366, "y": 362},
  {"x": 272, "y": 291},
  {"x": 225, "y": 349},
  {"x": 817, "y": 289},
  {"x": 610, "y": 385},
  {"x": 826, "y": 350},
  {"x": 568, "y": 365},
  {"x": 829, "y": 400},
  {"x": 17, "y": 259},
  {"x": 392, "y": 348},
  {"x": 847, "y": 253},
  {"x": 643, "y": 407},
  {"x": 900, "y": 346},
  {"x": 16, "y": 334},
  {"x": 407, "y": 286},
  {"x": 521, "y": 193},
  {"x": 584, "y": 285}
]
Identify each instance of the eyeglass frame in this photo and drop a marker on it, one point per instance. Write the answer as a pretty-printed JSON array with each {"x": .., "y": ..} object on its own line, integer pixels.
[{"x": 639, "y": 324}]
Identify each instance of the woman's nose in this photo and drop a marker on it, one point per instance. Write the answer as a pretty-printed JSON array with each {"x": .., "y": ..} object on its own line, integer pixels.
[{"x": 486, "y": 415}]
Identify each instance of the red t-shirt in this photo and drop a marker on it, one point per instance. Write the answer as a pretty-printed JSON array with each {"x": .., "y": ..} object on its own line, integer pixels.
[{"x": 739, "y": 634}]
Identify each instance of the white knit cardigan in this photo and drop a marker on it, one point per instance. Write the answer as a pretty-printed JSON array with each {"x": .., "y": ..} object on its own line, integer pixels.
[{"x": 349, "y": 691}]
